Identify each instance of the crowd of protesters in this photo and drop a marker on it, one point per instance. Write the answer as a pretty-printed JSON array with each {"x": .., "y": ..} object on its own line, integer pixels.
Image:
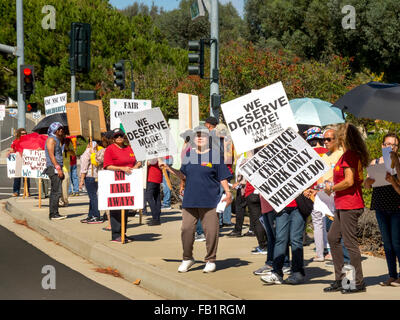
[{"x": 335, "y": 202}]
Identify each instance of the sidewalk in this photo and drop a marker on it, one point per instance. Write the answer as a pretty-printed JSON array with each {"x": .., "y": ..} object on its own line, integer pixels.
[{"x": 156, "y": 252}]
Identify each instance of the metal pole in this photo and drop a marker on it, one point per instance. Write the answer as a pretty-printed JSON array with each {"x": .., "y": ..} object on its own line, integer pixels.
[
  {"x": 214, "y": 59},
  {"x": 20, "y": 61},
  {"x": 73, "y": 84}
]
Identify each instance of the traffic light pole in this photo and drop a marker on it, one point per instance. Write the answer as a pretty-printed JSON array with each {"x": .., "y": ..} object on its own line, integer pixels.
[
  {"x": 20, "y": 61},
  {"x": 73, "y": 85},
  {"x": 214, "y": 59}
]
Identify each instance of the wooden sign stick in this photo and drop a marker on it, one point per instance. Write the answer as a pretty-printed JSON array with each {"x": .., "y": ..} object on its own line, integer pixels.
[
  {"x": 123, "y": 226},
  {"x": 25, "y": 187},
  {"x": 40, "y": 192},
  {"x": 90, "y": 138}
]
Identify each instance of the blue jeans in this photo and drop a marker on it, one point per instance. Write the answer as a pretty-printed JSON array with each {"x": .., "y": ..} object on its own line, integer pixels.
[
  {"x": 17, "y": 184},
  {"x": 167, "y": 193},
  {"x": 91, "y": 187},
  {"x": 226, "y": 216},
  {"x": 289, "y": 229},
  {"x": 199, "y": 228},
  {"x": 74, "y": 185},
  {"x": 389, "y": 225},
  {"x": 346, "y": 256}
]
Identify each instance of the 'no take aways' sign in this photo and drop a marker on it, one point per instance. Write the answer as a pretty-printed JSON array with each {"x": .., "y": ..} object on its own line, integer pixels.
[
  {"x": 149, "y": 134},
  {"x": 258, "y": 117},
  {"x": 283, "y": 169}
]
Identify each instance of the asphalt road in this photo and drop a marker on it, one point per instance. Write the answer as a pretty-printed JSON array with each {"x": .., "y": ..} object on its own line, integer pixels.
[{"x": 23, "y": 273}]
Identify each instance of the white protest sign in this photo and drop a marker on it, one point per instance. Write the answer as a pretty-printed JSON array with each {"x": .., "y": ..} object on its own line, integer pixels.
[
  {"x": 36, "y": 115},
  {"x": 255, "y": 119},
  {"x": 55, "y": 104},
  {"x": 188, "y": 110},
  {"x": 118, "y": 190},
  {"x": 387, "y": 160},
  {"x": 33, "y": 164},
  {"x": 2, "y": 111},
  {"x": 120, "y": 107},
  {"x": 14, "y": 163},
  {"x": 378, "y": 173},
  {"x": 283, "y": 169},
  {"x": 149, "y": 134}
]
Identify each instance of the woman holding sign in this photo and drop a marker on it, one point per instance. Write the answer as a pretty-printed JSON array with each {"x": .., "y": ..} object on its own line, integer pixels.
[
  {"x": 202, "y": 171},
  {"x": 386, "y": 203},
  {"x": 17, "y": 181},
  {"x": 349, "y": 204},
  {"x": 119, "y": 157}
]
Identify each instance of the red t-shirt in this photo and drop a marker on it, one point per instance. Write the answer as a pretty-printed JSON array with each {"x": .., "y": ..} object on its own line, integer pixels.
[
  {"x": 249, "y": 189},
  {"x": 154, "y": 173},
  {"x": 351, "y": 198},
  {"x": 72, "y": 161},
  {"x": 120, "y": 157},
  {"x": 320, "y": 150}
]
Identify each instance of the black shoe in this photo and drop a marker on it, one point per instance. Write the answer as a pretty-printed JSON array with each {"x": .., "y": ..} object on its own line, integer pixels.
[
  {"x": 94, "y": 220},
  {"x": 154, "y": 223},
  {"x": 86, "y": 220},
  {"x": 249, "y": 234},
  {"x": 235, "y": 234},
  {"x": 57, "y": 217},
  {"x": 360, "y": 288},
  {"x": 334, "y": 287}
]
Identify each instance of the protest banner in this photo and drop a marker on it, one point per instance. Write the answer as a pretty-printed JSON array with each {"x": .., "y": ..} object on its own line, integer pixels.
[
  {"x": 284, "y": 168},
  {"x": 118, "y": 190},
  {"x": 33, "y": 164},
  {"x": 82, "y": 117},
  {"x": 188, "y": 110},
  {"x": 257, "y": 118},
  {"x": 14, "y": 164},
  {"x": 148, "y": 134},
  {"x": 120, "y": 107},
  {"x": 55, "y": 104}
]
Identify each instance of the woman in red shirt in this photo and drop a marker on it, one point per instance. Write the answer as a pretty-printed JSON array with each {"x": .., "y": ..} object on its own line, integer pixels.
[
  {"x": 349, "y": 204},
  {"x": 119, "y": 157}
]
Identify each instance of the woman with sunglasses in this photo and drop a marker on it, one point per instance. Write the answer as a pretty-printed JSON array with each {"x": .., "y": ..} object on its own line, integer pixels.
[
  {"x": 119, "y": 157},
  {"x": 349, "y": 205},
  {"x": 385, "y": 201},
  {"x": 202, "y": 172},
  {"x": 17, "y": 181}
]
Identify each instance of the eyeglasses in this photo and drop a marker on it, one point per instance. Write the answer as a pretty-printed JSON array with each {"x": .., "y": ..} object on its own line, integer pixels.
[{"x": 390, "y": 145}]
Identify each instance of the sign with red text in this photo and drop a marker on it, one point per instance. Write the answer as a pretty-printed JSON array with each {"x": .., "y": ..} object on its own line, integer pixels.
[
  {"x": 119, "y": 190},
  {"x": 149, "y": 134},
  {"x": 283, "y": 169},
  {"x": 257, "y": 118},
  {"x": 33, "y": 164}
]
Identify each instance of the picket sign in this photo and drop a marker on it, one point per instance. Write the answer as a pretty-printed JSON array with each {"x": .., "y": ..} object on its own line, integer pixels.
[
  {"x": 55, "y": 104},
  {"x": 120, "y": 107},
  {"x": 14, "y": 164},
  {"x": 283, "y": 169},
  {"x": 257, "y": 118},
  {"x": 149, "y": 134}
]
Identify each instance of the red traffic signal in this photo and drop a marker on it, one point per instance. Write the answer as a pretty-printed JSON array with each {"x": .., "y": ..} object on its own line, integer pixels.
[
  {"x": 27, "y": 80},
  {"x": 27, "y": 71}
]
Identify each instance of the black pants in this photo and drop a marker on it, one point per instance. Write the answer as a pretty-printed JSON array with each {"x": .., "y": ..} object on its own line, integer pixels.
[
  {"x": 153, "y": 197},
  {"x": 254, "y": 205},
  {"x": 55, "y": 190},
  {"x": 240, "y": 209},
  {"x": 115, "y": 221}
]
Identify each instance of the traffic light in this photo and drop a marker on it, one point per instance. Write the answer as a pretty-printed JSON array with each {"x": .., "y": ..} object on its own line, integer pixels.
[
  {"x": 119, "y": 74},
  {"x": 31, "y": 107},
  {"x": 79, "y": 48},
  {"x": 27, "y": 75},
  {"x": 196, "y": 57}
]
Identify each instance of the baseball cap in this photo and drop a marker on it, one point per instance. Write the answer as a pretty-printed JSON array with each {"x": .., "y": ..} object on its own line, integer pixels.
[
  {"x": 314, "y": 133},
  {"x": 117, "y": 132}
]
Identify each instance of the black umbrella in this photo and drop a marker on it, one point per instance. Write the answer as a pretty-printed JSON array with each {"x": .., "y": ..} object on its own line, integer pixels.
[
  {"x": 45, "y": 123},
  {"x": 373, "y": 100}
]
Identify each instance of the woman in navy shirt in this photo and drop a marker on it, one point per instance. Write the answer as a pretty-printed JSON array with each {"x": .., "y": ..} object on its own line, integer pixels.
[{"x": 202, "y": 171}]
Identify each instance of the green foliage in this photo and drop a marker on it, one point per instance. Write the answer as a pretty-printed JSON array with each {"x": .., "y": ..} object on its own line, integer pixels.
[
  {"x": 81, "y": 145},
  {"x": 313, "y": 29}
]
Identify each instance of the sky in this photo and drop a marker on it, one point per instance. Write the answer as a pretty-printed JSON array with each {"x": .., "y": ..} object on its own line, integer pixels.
[{"x": 171, "y": 4}]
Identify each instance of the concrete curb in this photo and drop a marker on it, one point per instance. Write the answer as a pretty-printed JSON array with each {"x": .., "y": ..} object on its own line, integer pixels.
[{"x": 162, "y": 282}]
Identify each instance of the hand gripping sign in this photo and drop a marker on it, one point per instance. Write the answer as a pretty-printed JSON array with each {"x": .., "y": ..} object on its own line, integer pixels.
[
  {"x": 283, "y": 169},
  {"x": 258, "y": 117}
]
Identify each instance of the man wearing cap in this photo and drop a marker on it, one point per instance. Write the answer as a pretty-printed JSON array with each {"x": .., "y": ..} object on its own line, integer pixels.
[{"x": 54, "y": 161}]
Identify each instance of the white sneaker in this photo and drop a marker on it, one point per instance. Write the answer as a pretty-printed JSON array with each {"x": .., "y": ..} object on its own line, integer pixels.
[
  {"x": 210, "y": 267},
  {"x": 185, "y": 265},
  {"x": 272, "y": 278}
]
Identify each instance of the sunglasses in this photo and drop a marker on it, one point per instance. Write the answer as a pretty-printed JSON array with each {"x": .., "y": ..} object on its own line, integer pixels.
[
  {"x": 118, "y": 136},
  {"x": 328, "y": 139}
]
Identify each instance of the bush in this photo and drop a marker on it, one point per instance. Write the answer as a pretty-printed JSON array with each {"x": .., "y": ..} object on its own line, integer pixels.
[{"x": 368, "y": 233}]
